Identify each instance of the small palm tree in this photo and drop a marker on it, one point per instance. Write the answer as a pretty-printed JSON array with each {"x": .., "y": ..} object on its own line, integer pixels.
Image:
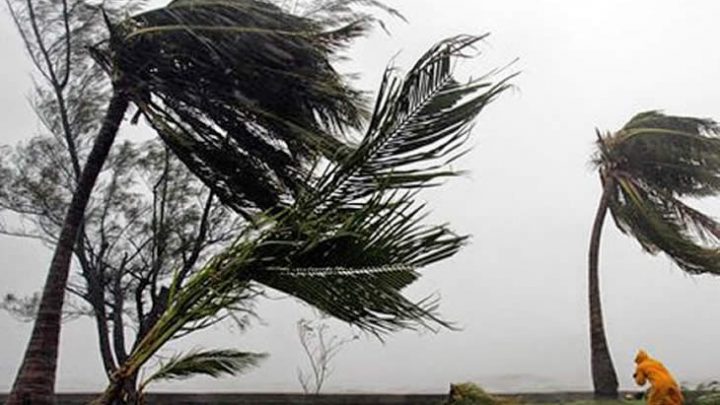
[
  {"x": 240, "y": 90},
  {"x": 645, "y": 169},
  {"x": 355, "y": 236}
]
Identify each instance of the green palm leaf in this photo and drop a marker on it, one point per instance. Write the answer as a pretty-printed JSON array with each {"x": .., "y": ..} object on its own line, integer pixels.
[
  {"x": 367, "y": 298},
  {"x": 356, "y": 271},
  {"x": 213, "y": 363},
  {"x": 661, "y": 223},
  {"x": 418, "y": 126},
  {"x": 678, "y": 155}
]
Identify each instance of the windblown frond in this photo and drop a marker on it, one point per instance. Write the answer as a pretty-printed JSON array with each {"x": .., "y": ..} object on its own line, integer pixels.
[
  {"x": 367, "y": 298},
  {"x": 240, "y": 90},
  {"x": 355, "y": 269},
  {"x": 341, "y": 10},
  {"x": 359, "y": 223},
  {"x": 678, "y": 155},
  {"x": 419, "y": 125},
  {"x": 662, "y": 223},
  {"x": 655, "y": 160},
  {"x": 213, "y": 363},
  {"x": 343, "y": 20}
]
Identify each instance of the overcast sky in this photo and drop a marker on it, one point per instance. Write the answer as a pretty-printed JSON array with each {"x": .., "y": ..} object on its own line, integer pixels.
[{"x": 519, "y": 289}]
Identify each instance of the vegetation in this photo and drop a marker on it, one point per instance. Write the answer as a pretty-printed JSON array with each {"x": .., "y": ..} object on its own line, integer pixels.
[
  {"x": 702, "y": 394},
  {"x": 604, "y": 402},
  {"x": 211, "y": 363},
  {"x": 68, "y": 94},
  {"x": 244, "y": 94},
  {"x": 355, "y": 238},
  {"x": 472, "y": 394},
  {"x": 151, "y": 218},
  {"x": 645, "y": 169},
  {"x": 198, "y": 71},
  {"x": 320, "y": 348}
]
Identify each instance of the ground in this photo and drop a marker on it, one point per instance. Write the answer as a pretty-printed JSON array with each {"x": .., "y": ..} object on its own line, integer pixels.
[{"x": 602, "y": 403}]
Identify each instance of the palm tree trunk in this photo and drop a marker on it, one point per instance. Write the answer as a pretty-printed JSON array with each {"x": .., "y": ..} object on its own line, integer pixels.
[
  {"x": 603, "y": 372},
  {"x": 35, "y": 382}
]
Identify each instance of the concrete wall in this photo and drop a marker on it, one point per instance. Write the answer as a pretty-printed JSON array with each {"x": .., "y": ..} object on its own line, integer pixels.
[
  {"x": 266, "y": 399},
  {"x": 324, "y": 399}
]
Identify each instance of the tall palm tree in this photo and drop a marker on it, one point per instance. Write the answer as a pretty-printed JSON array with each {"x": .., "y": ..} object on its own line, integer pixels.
[
  {"x": 240, "y": 90},
  {"x": 356, "y": 235},
  {"x": 645, "y": 169}
]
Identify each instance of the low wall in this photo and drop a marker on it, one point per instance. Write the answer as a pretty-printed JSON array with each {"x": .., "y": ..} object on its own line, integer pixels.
[
  {"x": 323, "y": 399},
  {"x": 265, "y": 399}
]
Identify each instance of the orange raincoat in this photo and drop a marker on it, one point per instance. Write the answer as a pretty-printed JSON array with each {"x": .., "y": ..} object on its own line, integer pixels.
[{"x": 664, "y": 390}]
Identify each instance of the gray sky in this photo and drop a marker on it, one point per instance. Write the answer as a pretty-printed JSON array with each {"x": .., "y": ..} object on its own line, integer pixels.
[{"x": 519, "y": 290}]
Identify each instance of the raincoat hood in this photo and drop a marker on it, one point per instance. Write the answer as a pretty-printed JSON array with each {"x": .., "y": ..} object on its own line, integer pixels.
[{"x": 641, "y": 356}]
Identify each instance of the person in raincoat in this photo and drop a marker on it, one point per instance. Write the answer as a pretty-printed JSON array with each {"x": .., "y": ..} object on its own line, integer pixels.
[{"x": 664, "y": 390}]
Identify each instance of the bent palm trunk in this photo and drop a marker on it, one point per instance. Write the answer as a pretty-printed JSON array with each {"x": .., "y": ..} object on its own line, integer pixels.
[
  {"x": 35, "y": 382},
  {"x": 605, "y": 382}
]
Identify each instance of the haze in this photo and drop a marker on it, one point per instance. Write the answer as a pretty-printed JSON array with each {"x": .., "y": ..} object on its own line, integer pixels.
[{"x": 518, "y": 291}]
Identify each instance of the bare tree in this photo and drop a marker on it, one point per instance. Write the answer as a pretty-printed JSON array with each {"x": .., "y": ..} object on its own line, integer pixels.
[
  {"x": 320, "y": 346},
  {"x": 151, "y": 219}
]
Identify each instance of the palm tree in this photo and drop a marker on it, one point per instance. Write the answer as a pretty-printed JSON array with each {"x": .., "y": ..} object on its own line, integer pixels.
[
  {"x": 645, "y": 169},
  {"x": 240, "y": 90},
  {"x": 355, "y": 236}
]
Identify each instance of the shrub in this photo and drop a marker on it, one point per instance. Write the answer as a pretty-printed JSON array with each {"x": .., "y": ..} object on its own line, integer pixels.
[
  {"x": 703, "y": 394},
  {"x": 471, "y": 394}
]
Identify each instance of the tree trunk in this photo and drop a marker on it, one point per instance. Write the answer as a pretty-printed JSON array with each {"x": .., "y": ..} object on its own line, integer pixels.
[
  {"x": 120, "y": 391},
  {"x": 605, "y": 382},
  {"x": 35, "y": 382},
  {"x": 110, "y": 395}
]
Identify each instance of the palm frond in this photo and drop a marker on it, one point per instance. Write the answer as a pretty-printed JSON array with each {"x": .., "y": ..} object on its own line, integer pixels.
[
  {"x": 357, "y": 230},
  {"x": 355, "y": 269},
  {"x": 352, "y": 265},
  {"x": 418, "y": 127},
  {"x": 241, "y": 91},
  {"x": 679, "y": 155},
  {"x": 370, "y": 299},
  {"x": 661, "y": 223},
  {"x": 343, "y": 10},
  {"x": 343, "y": 20},
  {"x": 213, "y": 363}
]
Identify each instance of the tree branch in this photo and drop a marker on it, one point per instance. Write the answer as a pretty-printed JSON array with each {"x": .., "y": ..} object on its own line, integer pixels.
[
  {"x": 118, "y": 324},
  {"x": 199, "y": 240}
]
